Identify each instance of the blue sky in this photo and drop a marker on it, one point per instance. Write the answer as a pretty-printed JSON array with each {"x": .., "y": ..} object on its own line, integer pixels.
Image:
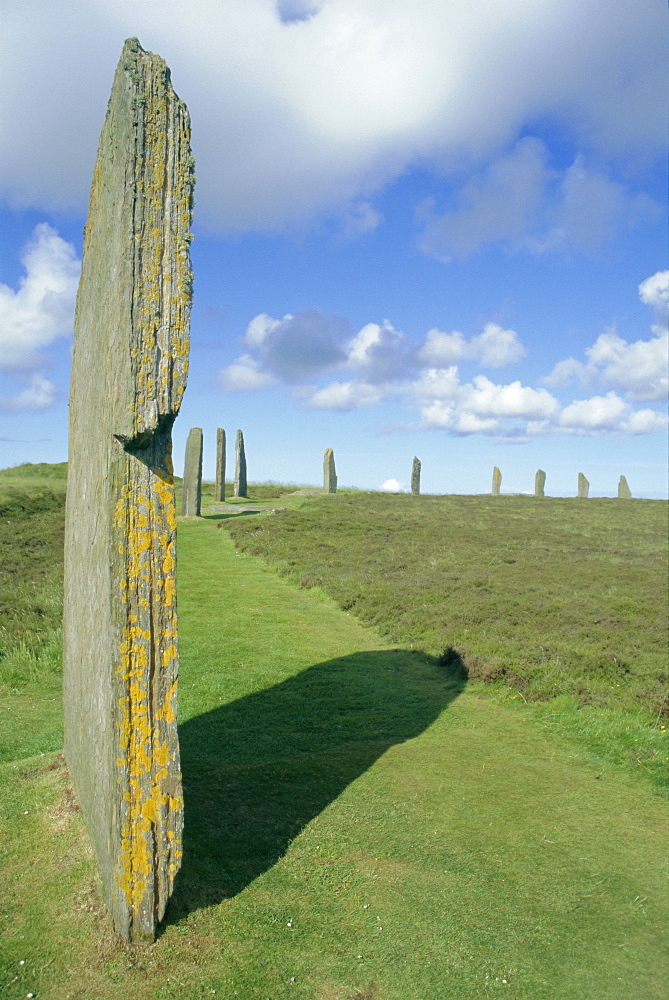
[{"x": 434, "y": 229}]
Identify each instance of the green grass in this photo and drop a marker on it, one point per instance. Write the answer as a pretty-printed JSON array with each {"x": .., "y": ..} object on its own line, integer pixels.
[
  {"x": 359, "y": 822},
  {"x": 549, "y": 597}
]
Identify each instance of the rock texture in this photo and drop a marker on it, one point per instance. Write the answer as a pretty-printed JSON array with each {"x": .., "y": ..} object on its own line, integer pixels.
[
  {"x": 583, "y": 486},
  {"x": 191, "y": 499},
  {"x": 329, "y": 472},
  {"x": 219, "y": 486},
  {"x": 128, "y": 377},
  {"x": 624, "y": 492},
  {"x": 539, "y": 483},
  {"x": 496, "y": 482},
  {"x": 415, "y": 477},
  {"x": 240, "y": 487}
]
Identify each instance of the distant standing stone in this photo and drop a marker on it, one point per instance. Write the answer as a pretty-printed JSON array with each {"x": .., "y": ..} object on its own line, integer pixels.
[
  {"x": 192, "y": 485},
  {"x": 329, "y": 473},
  {"x": 219, "y": 488},
  {"x": 540, "y": 483},
  {"x": 240, "y": 488},
  {"x": 624, "y": 492},
  {"x": 496, "y": 481},
  {"x": 129, "y": 368},
  {"x": 583, "y": 486},
  {"x": 415, "y": 477}
]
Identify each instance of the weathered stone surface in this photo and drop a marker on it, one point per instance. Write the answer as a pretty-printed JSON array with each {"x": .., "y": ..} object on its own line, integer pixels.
[
  {"x": 624, "y": 492},
  {"x": 329, "y": 472},
  {"x": 219, "y": 486},
  {"x": 496, "y": 482},
  {"x": 240, "y": 487},
  {"x": 128, "y": 377},
  {"x": 583, "y": 486},
  {"x": 415, "y": 477},
  {"x": 191, "y": 500},
  {"x": 540, "y": 483}
]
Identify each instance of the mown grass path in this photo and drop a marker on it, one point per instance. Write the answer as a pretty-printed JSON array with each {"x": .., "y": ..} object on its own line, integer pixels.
[{"x": 356, "y": 827}]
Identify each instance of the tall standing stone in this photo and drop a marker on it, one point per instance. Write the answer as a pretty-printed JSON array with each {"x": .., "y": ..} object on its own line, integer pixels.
[
  {"x": 624, "y": 492},
  {"x": 415, "y": 477},
  {"x": 329, "y": 472},
  {"x": 191, "y": 500},
  {"x": 240, "y": 488},
  {"x": 540, "y": 483},
  {"x": 496, "y": 482},
  {"x": 219, "y": 488},
  {"x": 128, "y": 376},
  {"x": 583, "y": 486}
]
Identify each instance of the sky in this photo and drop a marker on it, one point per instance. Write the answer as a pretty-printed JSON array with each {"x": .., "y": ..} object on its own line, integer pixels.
[{"x": 435, "y": 229}]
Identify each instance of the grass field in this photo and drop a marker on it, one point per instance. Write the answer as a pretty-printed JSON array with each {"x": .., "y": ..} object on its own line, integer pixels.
[{"x": 361, "y": 821}]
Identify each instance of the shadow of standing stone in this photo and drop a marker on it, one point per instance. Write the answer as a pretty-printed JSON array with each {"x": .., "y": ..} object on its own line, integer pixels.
[
  {"x": 192, "y": 485},
  {"x": 120, "y": 659},
  {"x": 329, "y": 473}
]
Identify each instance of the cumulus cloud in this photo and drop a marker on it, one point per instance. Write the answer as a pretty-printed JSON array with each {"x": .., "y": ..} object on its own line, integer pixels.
[
  {"x": 639, "y": 369},
  {"x": 346, "y": 396},
  {"x": 34, "y": 315},
  {"x": 337, "y": 97},
  {"x": 392, "y": 486},
  {"x": 297, "y": 347},
  {"x": 244, "y": 375},
  {"x": 493, "y": 348},
  {"x": 378, "y": 365},
  {"x": 654, "y": 291},
  {"x": 608, "y": 414},
  {"x": 42, "y": 308},
  {"x": 378, "y": 350},
  {"x": 39, "y": 394}
]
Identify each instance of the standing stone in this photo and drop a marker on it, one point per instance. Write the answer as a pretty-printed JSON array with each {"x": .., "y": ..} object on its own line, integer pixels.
[
  {"x": 496, "y": 482},
  {"x": 583, "y": 486},
  {"x": 128, "y": 376},
  {"x": 540, "y": 483},
  {"x": 329, "y": 472},
  {"x": 415, "y": 477},
  {"x": 219, "y": 488},
  {"x": 240, "y": 489},
  {"x": 191, "y": 500},
  {"x": 624, "y": 492}
]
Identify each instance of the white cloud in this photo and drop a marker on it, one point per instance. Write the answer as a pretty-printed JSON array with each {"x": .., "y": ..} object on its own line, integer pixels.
[
  {"x": 392, "y": 486},
  {"x": 608, "y": 414},
  {"x": 346, "y": 396},
  {"x": 42, "y": 308},
  {"x": 493, "y": 348},
  {"x": 654, "y": 291},
  {"x": 294, "y": 348},
  {"x": 39, "y": 394},
  {"x": 639, "y": 369},
  {"x": 244, "y": 375},
  {"x": 378, "y": 351},
  {"x": 600, "y": 413},
  {"x": 333, "y": 99}
]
